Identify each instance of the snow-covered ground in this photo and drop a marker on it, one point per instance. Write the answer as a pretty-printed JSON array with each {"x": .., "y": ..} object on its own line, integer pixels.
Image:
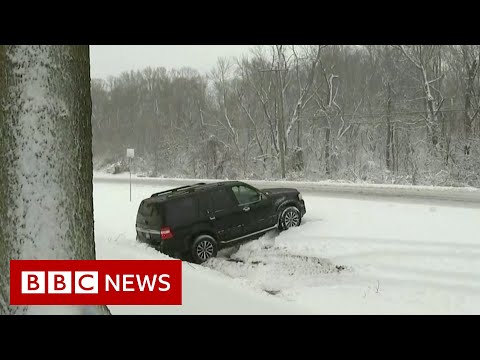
[{"x": 350, "y": 256}]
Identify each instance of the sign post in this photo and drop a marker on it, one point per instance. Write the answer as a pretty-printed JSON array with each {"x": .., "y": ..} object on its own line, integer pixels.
[{"x": 130, "y": 156}]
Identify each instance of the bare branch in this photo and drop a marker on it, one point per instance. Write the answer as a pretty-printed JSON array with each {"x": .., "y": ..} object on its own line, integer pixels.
[
  {"x": 301, "y": 103},
  {"x": 402, "y": 49},
  {"x": 434, "y": 80},
  {"x": 439, "y": 107}
]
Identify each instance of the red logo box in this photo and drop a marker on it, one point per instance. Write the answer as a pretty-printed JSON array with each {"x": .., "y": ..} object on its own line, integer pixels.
[{"x": 96, "y": 282}]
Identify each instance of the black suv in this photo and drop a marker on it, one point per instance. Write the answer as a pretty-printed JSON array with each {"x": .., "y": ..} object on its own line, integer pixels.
[{"x": 194, "y": 222}]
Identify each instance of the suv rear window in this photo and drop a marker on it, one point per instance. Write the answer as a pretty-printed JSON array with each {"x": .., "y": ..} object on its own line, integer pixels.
[
  {"x": 146, "y": 208},
  {"x": 149, "y": 213}
]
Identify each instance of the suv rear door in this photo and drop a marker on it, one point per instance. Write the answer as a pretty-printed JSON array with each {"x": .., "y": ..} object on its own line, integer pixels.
[{"x": 223, "y": 213}]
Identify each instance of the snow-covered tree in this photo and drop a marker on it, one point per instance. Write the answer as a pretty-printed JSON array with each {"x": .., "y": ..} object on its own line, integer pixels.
[{"x": 46, "y": 201}]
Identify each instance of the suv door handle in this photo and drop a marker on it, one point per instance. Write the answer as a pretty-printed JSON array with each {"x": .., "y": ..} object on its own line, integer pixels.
[{"x": 246, "y": 208}]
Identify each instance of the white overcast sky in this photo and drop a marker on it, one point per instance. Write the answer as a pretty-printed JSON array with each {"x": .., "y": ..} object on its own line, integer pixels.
[{"x": 111, "y": 60}]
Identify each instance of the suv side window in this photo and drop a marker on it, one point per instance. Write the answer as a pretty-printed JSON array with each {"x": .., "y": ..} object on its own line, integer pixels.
[
  {"x": 204, "y": 203},
  {"x": 181, "y": 211},
  {"x": 245, "y": 195},
  {"x": 221, "y": 199}
]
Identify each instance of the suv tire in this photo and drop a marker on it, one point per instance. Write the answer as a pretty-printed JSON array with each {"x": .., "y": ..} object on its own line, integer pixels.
[
  {"x": 204, "y": 247},
  {"x": 289, "y": 217}
]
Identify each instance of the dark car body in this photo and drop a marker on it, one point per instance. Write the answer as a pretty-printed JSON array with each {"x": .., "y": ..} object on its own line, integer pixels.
[{"x": 228, "y": 212}]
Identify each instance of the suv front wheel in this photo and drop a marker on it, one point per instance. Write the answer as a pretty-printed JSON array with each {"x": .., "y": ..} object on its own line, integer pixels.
[
  {"x": 204, "y": 247},
  {"x": 290, "y": 217}
]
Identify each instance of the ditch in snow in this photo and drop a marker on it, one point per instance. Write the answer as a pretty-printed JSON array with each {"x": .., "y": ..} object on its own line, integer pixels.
[{"x": 271, "y": 267}]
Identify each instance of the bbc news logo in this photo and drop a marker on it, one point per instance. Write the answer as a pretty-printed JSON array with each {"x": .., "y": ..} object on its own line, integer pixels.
[
  {"x": 95, "y": 282},
  {"x": 86, "y": 282},
  {"x": 59, "y": 282}
]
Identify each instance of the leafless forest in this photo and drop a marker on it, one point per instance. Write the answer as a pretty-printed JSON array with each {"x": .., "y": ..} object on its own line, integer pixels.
[{"x": 382, "y": 114}]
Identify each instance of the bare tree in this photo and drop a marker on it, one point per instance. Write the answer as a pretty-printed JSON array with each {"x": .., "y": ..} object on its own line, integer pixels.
[
  {"x": 383, "y": 59},
  {"x": 259, "y": 77},
  {"x": 329, "y": 110},
  {"x": 423, "y": 57},
  {"x": 248, "y": 106},
  {"x": 310, "y": 60},
  {"x": 471, "y": 63},
  {"x": 355, "y": 110}
]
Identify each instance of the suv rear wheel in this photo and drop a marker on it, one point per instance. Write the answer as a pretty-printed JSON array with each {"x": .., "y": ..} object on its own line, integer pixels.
[{"x": 204, "y": 247}]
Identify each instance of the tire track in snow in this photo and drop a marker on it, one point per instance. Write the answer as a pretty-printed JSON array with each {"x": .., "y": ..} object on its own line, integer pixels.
[{"x": 272, "y": 268}]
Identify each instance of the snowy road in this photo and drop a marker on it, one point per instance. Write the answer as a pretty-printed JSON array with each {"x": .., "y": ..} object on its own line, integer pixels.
[{"x": 350, "y": 256}]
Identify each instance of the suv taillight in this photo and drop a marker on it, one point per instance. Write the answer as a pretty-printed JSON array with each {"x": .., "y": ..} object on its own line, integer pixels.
[{"x": 166, "y": 233}]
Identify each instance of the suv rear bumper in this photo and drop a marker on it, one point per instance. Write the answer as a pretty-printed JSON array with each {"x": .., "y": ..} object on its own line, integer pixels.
[{"x": 172, "y": 247}]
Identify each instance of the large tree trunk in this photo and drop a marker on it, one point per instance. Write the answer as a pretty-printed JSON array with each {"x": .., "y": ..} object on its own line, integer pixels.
[{"x": 46, "y": 201}]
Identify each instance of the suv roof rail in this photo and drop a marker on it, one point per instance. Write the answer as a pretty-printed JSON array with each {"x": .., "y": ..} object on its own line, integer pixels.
[
  {"x": 177, "y": 189},
  {"x": 185, "y": 190}
]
